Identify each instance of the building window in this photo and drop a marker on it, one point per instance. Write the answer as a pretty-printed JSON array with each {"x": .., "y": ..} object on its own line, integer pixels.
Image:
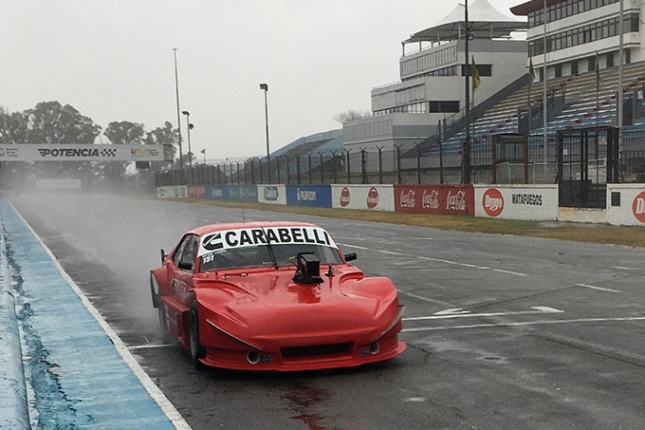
[
  {"x": 440, "y": 106},
  {"x": 591, "y": 64},
  {"x": 558, "y": 70},
  {"x": 574, "y": 67},
  {"x": 610, "y": 60}
]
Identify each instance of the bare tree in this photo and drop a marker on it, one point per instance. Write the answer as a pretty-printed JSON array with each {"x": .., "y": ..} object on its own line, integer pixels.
[{"x": 351, "y": 114}]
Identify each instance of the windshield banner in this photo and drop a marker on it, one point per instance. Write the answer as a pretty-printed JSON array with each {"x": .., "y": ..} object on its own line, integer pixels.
[{"x": 263, "y": 236}]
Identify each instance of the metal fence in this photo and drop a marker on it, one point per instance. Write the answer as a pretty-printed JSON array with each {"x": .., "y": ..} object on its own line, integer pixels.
[{"x": 406, "y": 164}]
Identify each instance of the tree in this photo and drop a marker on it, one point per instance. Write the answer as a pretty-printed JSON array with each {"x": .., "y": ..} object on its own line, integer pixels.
[
  {"x": 13, "y": 127},
  {"x": 50, "y": 122},
  {"x": 351, "y": 115},
  {"x": 166, "y": 136},
  {"x": 120, "y": 133}
]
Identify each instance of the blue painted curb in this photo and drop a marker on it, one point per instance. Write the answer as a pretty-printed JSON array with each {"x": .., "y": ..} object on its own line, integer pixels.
[{"x": 80, "y": 373}]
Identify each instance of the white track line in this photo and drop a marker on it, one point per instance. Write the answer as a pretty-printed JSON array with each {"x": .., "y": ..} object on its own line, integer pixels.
[
  {"x": 592, "y": 287},
  {"x": 518, "y": 324}
]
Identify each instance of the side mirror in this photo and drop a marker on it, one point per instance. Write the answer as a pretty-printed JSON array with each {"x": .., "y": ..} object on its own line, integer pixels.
[
  {"x": 350, "y": 257},
  {"x": 163, "y": 255}
]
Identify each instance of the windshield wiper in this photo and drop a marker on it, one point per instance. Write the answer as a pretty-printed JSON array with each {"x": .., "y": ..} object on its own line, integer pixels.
[{"x": 270, "y": 248}]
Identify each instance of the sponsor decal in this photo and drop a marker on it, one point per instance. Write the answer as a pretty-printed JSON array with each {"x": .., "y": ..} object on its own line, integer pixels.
[
  {"x": 8, "y": 152},
  {"x": 527, "y": 199},
  {"x": 457, "y": 201},
  {"x": 144, "y": 152},
  {"x": 407, "y": 200},
  {"x": 74, "y": 152},
  {"x": 430, "y": 199},
  {"x": 271, "y": 194},
  {"x": 305, "y": 195},
  {"x": 493, "y": 202},
  {"x": 372, "y": 198},
  {"x": 344, "y": 197},
  {"x": 638, "y": 207},
  {"x": 262, "y": 236}
]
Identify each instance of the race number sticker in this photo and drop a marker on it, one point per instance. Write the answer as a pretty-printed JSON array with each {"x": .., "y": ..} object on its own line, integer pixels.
[{"x": 262, "y": 236}]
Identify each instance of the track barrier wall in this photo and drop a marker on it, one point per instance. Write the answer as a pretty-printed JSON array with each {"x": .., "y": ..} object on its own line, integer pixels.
[
  {"x": 535, "y": 202},
  {"x": 365, "y": 197},
  {"x": 309, "y": 195},
  {"x": 519, "y": 202},
  {"x": 272, "y": 194},
  {"x": 435, "y": 199},
  {"x": 626, "y": 204}
]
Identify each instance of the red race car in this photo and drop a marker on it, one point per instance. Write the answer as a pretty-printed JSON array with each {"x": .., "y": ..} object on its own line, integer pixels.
[{"x": 273, "y": 296}]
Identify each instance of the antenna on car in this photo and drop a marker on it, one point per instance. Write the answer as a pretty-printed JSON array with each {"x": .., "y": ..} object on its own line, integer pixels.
[{"x": 270, "y": 248}]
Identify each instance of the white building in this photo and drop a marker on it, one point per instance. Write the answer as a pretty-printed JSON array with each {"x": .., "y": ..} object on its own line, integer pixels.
[
  {"x": 581, "y": 33},
  {"x": 432, "y": 83}
]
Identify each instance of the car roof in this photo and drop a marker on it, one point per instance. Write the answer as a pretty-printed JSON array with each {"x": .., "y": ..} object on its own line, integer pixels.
[{"x": 212, "y": 228}]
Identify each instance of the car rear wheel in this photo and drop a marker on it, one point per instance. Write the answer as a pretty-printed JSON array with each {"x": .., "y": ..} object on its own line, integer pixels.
[{"x": 197, "y": 351}]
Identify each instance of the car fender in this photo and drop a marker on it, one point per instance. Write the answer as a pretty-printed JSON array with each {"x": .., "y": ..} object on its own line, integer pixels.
[{"x": 380, "y": 288}]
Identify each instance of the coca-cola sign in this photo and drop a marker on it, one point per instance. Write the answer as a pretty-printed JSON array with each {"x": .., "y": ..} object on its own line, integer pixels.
[
  {"x": 456, "y": 201},
  {"x": 407, "y": 199},
  {"x": 434, "y": 199}
]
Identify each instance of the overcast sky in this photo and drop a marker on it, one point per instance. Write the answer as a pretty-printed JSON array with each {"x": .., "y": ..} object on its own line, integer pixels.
[{"x": 113, "y": 61}]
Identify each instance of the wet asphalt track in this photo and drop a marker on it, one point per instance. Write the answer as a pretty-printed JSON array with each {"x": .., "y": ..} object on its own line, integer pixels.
[{"x": 503, "y": 332}]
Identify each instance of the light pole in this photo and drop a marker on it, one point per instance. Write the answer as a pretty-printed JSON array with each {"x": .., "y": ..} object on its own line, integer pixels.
[
  {"x": 189, "y": 126},
  {"x": 181, "y": 160},
  {"x": 265, "y": 88}
]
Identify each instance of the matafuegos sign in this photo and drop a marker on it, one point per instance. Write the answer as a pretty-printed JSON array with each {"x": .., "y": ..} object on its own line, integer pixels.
[
  {"x": 527, "y": 202},
  {"x": 80, "y": 152}
]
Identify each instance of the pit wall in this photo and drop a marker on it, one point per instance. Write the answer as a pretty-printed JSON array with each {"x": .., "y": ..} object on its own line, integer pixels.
[{"x": 626, "y": 202}]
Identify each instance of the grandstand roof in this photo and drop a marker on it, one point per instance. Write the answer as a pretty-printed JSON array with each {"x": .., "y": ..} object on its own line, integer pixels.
[
  {"x": 486, "y": 22},
  {"x": 533, "y": 5}
]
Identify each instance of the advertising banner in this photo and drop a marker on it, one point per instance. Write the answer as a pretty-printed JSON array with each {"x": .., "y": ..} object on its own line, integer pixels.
[
  {"x": 521, "y": 202},
  {"x": 171, "y": 192},
  {"x": 435, "y": 199},
  {"x": 272, "y": 194},
  {"x": 309, "y": 195},
  {"x": 626, "y": 204},
  {"x": 80, "y": 152},
  {"x": 368, "y": 197},
  {"x": 217, "y": 192},
  {"x": 196, "y": 192},
  {"x": 244, "y": 193}
]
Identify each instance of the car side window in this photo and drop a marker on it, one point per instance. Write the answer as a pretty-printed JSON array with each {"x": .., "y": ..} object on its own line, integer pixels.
[{"x": 186, "y": 252}]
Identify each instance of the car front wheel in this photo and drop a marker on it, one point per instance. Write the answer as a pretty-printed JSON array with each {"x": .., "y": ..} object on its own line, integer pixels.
[{"x": 197, "y": 351}]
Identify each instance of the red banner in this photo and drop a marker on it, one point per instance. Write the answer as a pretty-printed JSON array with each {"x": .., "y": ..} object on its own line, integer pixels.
[
  {"x": 435, "y": 199},
  {"x": 196, "y": 192}
]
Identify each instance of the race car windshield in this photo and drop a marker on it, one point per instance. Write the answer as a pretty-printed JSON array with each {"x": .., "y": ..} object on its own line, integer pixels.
[{"x": 258, "y": 256}]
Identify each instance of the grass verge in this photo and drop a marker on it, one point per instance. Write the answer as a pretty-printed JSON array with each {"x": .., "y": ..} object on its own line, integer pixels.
[{"x": 596, "y": 233}]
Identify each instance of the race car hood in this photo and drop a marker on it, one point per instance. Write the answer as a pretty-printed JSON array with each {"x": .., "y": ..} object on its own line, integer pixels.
[{"x": 270, "y": 303}]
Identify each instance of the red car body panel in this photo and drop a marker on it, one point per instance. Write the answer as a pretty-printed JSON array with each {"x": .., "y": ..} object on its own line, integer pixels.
[{"x": 259, "y": 318}]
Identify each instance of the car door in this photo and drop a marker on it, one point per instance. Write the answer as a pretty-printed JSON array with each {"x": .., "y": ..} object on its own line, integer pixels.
[{"x": 176, "y": 305}]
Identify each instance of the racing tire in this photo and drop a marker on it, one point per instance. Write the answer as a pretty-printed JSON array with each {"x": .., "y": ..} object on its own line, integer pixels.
[
  {"x": 196, "y": 350},
  {"x": 154, "y": 290}
]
